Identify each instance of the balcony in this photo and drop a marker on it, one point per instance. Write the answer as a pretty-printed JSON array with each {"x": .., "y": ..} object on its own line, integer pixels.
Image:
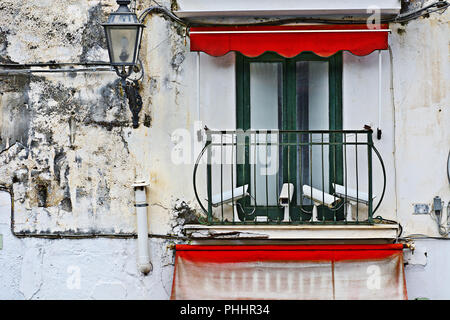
[{"x": 279, "y": 181}]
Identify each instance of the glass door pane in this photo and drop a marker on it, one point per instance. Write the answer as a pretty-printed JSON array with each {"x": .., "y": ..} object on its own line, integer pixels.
[
  {"x": 312, "y": 88},
  {"x": 266, "y": 87}
]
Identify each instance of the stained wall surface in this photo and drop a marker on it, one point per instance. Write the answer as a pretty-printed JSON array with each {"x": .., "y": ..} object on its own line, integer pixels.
[{"x": 70, "y": 155}]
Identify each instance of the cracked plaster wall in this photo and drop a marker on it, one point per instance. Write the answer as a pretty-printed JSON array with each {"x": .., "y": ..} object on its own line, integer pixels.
[
  {"x": 34, "y": 268},
  {"x": 70, "y": 155},
  {"x": 68, "y": 149}
]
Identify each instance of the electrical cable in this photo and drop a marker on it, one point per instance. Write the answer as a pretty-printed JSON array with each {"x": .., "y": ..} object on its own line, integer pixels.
[
  {"x": 448, "y": 167},
  {"x": 391, "y": 88},
  {"x": 163, "y": 10},
  {"x": 440, "y": 5},
  {"x": 420, "y": 236},
  {"x": 381, "y": 219},
  {"x": 441, "y": 228},
  {"x": 8, "y": 72},
  {"x": 63, "y": 235},
  {"x": 55, "y": 65}
]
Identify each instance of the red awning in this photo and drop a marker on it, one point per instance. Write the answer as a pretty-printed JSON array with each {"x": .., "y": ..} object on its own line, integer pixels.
[
  {"x": 289, "y": 41},
  {"x": 289, "y": 272}
]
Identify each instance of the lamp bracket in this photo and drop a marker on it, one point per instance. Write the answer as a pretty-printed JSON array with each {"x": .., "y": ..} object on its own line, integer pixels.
[
  {"x": 137, "y": 71},
  {"x": 123, "y": 71},
  {"x": 134, "y": 100}
]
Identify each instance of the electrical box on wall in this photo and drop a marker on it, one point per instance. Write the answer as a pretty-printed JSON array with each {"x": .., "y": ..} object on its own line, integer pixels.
[
  {"x": 421, "y": 208},
  {"x": 437, "y": 205}
]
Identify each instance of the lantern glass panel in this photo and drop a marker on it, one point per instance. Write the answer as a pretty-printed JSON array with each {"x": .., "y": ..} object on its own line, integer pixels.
[{"x": 123, "y": 44}]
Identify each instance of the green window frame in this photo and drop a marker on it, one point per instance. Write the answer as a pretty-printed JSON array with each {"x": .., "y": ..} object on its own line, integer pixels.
[{"x": 289, "y": 106}]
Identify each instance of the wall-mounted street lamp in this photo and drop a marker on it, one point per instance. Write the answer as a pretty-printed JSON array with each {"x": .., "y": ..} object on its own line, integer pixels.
[
  {"x": 123, "y": 36},
  {"x": 123, "y": 32}
]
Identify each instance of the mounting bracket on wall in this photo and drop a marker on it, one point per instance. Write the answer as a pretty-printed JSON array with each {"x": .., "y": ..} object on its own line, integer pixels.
[
  {"x": 130, "y": 83},
  {"x": 378, "y": 133},
  {"x": 134, "y": 100}
]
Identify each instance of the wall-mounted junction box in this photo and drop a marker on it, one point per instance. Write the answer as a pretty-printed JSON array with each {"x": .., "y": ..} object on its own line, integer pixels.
[{"x": 421, "y": 208}]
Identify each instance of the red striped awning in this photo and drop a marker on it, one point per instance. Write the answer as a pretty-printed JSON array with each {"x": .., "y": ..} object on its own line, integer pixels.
[
  {"x": 289, "y": 272},
  {"x": 289, "y": 41}
]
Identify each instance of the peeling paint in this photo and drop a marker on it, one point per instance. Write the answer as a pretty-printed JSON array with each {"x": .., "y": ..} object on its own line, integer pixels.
[
  {"x": 182, "y": 214},
  {"x": 92, "y": 38},
  {"x": 59, "y": 161}
]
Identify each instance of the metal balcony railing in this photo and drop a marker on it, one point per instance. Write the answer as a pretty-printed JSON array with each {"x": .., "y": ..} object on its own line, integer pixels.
[{"x": 288, "y": 177}]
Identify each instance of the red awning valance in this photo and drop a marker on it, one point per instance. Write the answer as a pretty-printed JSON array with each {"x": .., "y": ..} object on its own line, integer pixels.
[
  {"x": 289, "y": 41},
  {"x": 289, "y": 272}
]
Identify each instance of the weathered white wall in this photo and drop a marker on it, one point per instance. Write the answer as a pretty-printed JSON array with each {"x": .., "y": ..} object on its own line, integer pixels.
[
  {"x": 34, "y": 268},
  {"x": 422, "y": 114},
  {"x": 427, "y": 270},
  {"x": 70, "y": 156},
  {"x": 69, "y": 162}
]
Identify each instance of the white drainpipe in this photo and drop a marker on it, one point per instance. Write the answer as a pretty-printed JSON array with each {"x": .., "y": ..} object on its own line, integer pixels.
[{"x": 141, "y": 205}]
